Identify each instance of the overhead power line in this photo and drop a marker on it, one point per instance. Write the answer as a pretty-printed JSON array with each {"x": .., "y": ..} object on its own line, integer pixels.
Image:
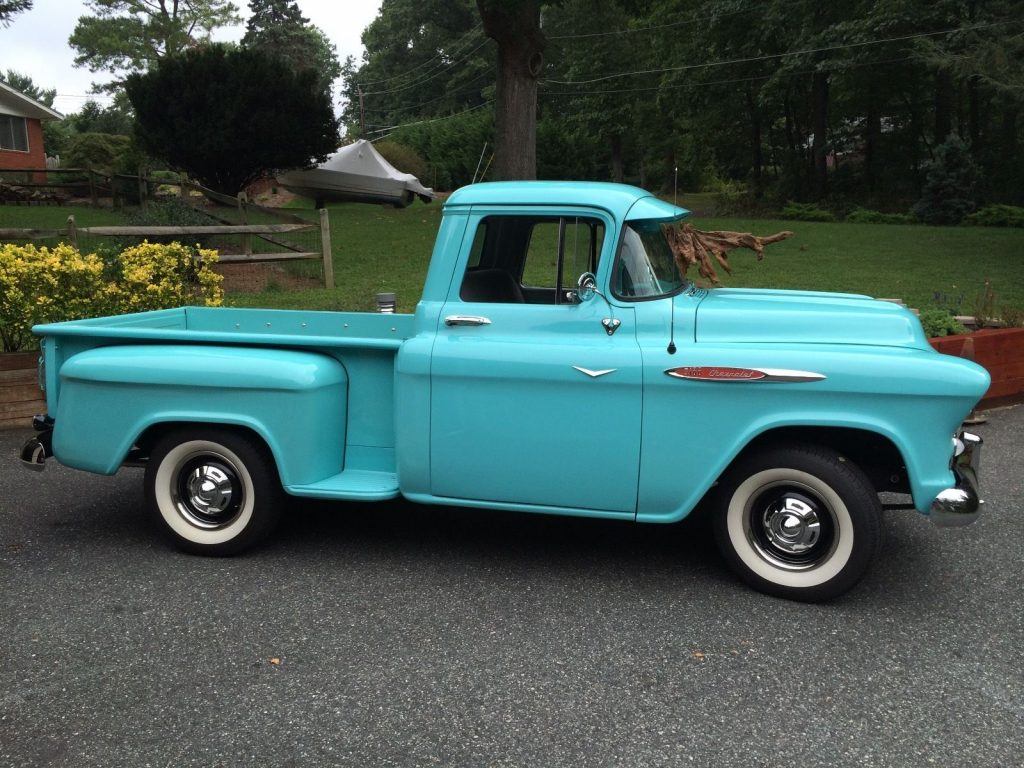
[
  {"x": 703, "y": 83},
  {"x": 434, "y": 64},
  {"x": 392, "y": 128},
  {"x": 771, "y": 56},
  {"x": 677, "y": 23},
  {"x": 445, "y": 68},
  {"x": 454, "y": 94}
]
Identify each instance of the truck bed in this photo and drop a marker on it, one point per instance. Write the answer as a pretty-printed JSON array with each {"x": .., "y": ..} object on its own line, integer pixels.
[
  {"x": 222, "y": 325},
  {"x": 365, "y": 343}
]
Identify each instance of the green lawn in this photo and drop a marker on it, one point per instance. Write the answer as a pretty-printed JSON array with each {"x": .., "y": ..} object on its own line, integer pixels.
[
  {"x": 383, "y": 249},
  {"x": 56, "y": 216},
  {"x": 377, "y": 248}
]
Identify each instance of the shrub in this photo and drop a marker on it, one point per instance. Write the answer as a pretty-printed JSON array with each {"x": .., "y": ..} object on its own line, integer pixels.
[
  {"x": 106, "y": 152},
  {"x": 45, "y": 285},
  {"x": 938, "y": 322},
  {"x": 168, "y": 213},
  {"x": 866, "y": 216},
  {"x": 806, "y": 212},
  {"x": 41, "y": 285},
  {"x": 997, "y": 216},
  {"x": 950, "y": 185},
  {"x": 406, "y": 159}
]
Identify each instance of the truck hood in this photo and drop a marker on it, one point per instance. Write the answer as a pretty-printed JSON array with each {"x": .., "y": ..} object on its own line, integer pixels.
[{"x": 728, "y": 315}]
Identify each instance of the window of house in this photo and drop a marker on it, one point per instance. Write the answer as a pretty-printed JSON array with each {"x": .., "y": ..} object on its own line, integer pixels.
[
  {"x": 13, "y": 133},
  {"x": 531, "y": 259}
]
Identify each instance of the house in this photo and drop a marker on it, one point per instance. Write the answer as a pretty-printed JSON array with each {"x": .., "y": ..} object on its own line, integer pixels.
[{"x": 21, "y": 130}]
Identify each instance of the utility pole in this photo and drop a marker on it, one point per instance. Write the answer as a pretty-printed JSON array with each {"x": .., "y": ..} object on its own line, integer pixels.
[{"x": 362, "y": 117}]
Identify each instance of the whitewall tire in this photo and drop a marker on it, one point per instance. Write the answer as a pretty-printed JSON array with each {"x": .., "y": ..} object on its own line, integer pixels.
[
  {"x": 212, "y": 491},
  {"x": 798, "y": 522}
]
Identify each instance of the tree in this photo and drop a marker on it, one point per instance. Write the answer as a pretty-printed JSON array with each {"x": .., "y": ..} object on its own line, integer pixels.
[
  {"x": 25, "y": 84},
  {"x": 226, "y": 115},
  {"x": 278, "y": 28},
  {"x": 951, "y": 186},
  {"x": 515, "y": 26},
  {"x": 125, "y": 36},
  {"x": 94, "y": 118},
  {"x": 11, "y": 8}
]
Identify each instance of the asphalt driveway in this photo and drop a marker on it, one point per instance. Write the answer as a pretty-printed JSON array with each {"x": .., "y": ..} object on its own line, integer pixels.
[{"x": 404, "y": 635}]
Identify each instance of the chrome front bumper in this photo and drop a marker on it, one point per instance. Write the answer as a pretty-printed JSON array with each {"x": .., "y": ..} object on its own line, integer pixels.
[{"x": 960, "y": 505}]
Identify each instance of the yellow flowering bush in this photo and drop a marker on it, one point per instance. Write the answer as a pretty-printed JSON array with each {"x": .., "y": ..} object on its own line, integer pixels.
[
  {"x": 45, "y": 285},
  {"x": 158, "y": 276}
]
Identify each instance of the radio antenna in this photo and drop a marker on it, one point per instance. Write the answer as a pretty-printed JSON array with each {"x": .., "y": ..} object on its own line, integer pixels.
[{"x": 672, "y": 327}]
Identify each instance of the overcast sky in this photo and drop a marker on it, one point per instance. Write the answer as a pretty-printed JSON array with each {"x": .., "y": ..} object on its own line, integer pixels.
[{"x": 36, "y": 43}]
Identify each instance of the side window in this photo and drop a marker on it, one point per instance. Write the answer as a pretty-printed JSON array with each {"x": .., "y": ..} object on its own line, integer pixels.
[
  {"x": 540, "y": 267},
  {"x": 526, "y": 259},
  {"x": 476, "y": 251}
]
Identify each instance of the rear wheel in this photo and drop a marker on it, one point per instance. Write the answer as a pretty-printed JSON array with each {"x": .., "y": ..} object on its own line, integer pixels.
[
  {"x": 212, "y": 491},
  {"x": 799, "y": 522}
]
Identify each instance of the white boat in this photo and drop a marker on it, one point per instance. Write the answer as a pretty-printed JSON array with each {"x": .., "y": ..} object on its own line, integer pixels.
[{"x": 356, "y": 173}]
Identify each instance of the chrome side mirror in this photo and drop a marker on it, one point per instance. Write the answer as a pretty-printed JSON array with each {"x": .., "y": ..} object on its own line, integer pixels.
[{"x": 586, "y": 287}]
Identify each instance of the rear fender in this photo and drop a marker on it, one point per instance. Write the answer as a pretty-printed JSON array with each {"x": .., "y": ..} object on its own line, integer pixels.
[{"x": 295, "y": 401}]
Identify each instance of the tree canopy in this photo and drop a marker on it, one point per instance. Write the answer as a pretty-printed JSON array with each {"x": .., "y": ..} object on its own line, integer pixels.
[
  {"x": 125, "y": 36},
  {"x": 25, "y": 84},
  {"x": 839, "y": 103},
  {"x": 253, "y": 114},
  {"x": 277, "y": 27},
  {"x": 11, "y": 8}
]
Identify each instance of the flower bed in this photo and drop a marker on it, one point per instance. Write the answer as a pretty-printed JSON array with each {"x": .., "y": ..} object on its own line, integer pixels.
[{"x": 998, "y": 350}]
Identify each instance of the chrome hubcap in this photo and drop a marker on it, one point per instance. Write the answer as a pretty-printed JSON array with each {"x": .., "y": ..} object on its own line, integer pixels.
[
  {"x": 207, "y": 491},
  {"x": 790, "y": 526}
]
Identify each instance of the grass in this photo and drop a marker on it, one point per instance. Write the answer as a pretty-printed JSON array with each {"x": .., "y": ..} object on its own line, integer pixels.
[
  {"x": 377, "y": 248},
  {"x": 56, "y": 216},
  {"x": 384, "y": 249}
]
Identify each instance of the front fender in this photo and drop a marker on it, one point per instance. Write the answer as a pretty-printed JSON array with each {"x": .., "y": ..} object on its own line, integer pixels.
[
  {"x": 295, "y": 401},
  {"x": 693, "y": 430}
]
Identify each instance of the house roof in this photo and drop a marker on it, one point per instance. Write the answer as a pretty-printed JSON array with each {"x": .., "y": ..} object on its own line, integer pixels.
[
  {"x": 621, "y": 200},
  {"x": 14, "y": 102}
]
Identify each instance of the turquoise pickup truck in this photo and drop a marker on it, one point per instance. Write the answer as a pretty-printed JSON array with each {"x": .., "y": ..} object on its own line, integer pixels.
[{"x": 557, "y": 362}]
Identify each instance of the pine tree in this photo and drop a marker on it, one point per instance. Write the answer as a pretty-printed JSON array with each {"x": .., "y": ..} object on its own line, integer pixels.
[{"x": 278, "y": 28}]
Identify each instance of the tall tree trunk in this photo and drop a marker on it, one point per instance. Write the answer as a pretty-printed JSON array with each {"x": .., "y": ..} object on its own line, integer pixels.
[
  {"x": 756, "y": 152},
  {"x": 616, "y": 150},
  {"x": 515, "y": 26},
  {"x": 974, "y": 114},
  {"x": 819, "y": 106},
  {"x": 872, "y": 138},
  {"x": 943, "y": 105}
]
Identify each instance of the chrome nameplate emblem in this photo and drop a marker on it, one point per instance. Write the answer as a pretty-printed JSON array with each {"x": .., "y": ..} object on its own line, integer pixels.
[
  {"x": 727, "y": 373},
  {"x": 594, "y": 374}
]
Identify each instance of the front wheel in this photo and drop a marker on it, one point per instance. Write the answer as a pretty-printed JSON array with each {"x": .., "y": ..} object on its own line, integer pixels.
[
  {"x": 799, "y": 522},
  {"x": 212, "y": 491}
]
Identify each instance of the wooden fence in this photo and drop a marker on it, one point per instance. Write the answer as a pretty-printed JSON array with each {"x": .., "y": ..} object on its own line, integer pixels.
[{"x": 246, "y": 232}]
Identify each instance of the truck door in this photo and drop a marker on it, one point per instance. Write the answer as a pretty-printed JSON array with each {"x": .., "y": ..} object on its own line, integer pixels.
[{"x": 532, "y": 401}]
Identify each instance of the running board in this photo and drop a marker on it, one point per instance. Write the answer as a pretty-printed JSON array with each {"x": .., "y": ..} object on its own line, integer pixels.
[{"x": 352, "y": 485}]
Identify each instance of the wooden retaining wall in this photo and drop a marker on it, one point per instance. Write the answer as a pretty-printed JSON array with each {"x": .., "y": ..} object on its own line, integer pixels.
[{"x": 998, "y": 350}]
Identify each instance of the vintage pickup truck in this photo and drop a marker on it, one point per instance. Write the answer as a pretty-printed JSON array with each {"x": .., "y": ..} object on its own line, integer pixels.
[{"x": 556, "y": 363}]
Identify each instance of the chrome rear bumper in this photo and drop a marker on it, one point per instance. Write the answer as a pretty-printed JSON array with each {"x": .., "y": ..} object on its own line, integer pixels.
[
  {"x": 38, "y": 449},
  {"x": 961, "y": 504}
]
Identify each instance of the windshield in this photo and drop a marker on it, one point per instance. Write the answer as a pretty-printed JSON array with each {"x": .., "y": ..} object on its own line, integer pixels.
[{"x": 645, "y": 267}]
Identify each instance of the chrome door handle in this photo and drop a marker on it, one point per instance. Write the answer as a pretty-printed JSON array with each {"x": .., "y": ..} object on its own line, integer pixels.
[{"x": 466, "y": 320}]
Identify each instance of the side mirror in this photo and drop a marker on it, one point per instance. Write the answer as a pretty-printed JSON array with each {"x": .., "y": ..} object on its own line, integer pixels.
[{"x": 586, "y": 287}]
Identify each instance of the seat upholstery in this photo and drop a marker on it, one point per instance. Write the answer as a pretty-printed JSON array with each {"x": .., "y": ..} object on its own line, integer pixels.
[{"x": 494, "y": 286}]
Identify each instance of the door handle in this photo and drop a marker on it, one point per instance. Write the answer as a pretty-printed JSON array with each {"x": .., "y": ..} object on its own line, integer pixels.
[{"x": 466, "y": 320}]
